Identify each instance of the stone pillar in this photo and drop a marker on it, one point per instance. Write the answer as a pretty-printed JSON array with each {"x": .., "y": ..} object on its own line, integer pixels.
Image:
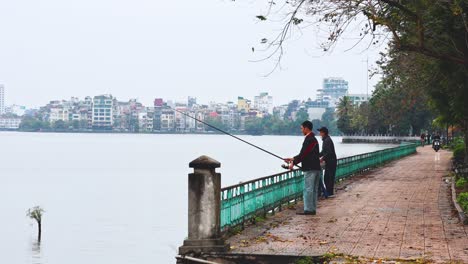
[{"x": 204, "y": 207}]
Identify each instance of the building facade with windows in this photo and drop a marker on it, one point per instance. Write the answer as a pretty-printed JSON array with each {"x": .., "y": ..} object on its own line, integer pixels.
[
  {"x": 102, "y": 112},
  {"x": 59, "y": 113},
  {"x": 9, "y": 123},
  {"x": 332, "y": 90},
  {"x": 358, "y": 99},
  {"x": 264, "y": 103}
]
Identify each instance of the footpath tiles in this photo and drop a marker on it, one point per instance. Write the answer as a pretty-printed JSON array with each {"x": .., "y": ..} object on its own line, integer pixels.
[{"x": 400, "y": 211}]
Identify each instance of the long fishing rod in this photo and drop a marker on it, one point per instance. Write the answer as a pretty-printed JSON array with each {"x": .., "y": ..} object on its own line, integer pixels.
[{"x": 231, "y": 135}]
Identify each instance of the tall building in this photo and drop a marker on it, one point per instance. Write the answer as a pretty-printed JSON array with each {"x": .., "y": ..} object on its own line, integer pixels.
[
  {"x": 264, "y": 103},
  {"x": 2, "y": 99},
  {"x": 103, "y": 106},
  {"x": 191, "y": 102},
  {"x": 333, "y": 89},
  {"x": 158, "y": 107},
  {"x": 167, "y": 120}
]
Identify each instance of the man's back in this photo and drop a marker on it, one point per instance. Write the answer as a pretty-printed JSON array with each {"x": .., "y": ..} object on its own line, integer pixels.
[{"x": 328, "y": 149}]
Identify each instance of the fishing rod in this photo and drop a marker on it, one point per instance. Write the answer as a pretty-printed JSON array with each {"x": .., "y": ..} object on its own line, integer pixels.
[{"x": 231, "y": 135}]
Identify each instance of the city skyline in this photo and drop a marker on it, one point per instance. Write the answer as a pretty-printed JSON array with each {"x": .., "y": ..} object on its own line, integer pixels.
[
  {"x": 181, "y": 99},
  {"x": 128, "y": 49},
  {"x": 106, "y": 112}
]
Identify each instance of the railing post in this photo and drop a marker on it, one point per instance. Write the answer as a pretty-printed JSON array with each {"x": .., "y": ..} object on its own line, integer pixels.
[{"x": 204, "y": 208}]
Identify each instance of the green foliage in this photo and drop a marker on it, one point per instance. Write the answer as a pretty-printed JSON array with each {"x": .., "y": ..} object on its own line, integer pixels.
[
  {"x": 328, "y": 256},
  {"x": 234, "y": 231},
  {"x": 305, "y": 260},
  {"x": 255, "y": 126},
  {"x": 59, "y": 125},
  {"x": 459, "y": 151},
  {"x": 258, "y": 219},
  {"x": 35, "y": 213},
  {"x": 33, "y": 124},
  {"x": 353, "y": 118},
  {"x": 458, "y": 148},
  {"x": 399, "y": 108},
  {"x": 345, "y": 111},
  {"x": 329, "y": 121},
  {"x": 276, "y": 125},
  {"x": 216, "y": 122},
  {"x": 462, "y": 200},
  {"x": 425, "y": 66},
  {"x": 455, "y": 142},
  {"x": 292, "y": 106},
  {"x": 461, "y": 183},
  {"x": 302, "y": 116}
]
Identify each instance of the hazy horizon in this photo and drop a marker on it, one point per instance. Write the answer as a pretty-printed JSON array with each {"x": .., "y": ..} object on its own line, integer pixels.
[{"x": 53, "y": 50}]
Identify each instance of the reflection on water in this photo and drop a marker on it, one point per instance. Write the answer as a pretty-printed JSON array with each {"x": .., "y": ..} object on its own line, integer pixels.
[
  {"x": 116, "y": 198},
  {"x": 36, "y": 253}
]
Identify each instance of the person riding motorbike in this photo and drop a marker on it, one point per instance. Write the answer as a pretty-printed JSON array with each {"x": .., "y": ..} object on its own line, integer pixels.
[{"x": 436, "y": 142}]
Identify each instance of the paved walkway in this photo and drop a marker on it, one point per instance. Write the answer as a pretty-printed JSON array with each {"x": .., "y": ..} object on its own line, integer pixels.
[{"x": 400, "y": 211}]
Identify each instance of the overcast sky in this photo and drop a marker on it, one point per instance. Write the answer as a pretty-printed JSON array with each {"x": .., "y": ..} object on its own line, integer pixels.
[{"x": 55, "y": 49}]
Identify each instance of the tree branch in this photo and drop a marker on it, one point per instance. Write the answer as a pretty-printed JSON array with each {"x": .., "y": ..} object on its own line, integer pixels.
[{"x": 431, "y": 53}]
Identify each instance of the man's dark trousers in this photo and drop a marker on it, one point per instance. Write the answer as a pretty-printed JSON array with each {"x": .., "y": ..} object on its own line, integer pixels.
[{"x": 329, "y": 177}]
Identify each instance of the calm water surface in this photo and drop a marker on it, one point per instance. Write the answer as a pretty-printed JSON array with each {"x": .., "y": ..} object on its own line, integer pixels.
[{"x": 114, "y": 198}]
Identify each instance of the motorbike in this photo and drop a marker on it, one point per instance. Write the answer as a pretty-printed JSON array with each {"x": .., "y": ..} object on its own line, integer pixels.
[{"x": 436, "y": 145}]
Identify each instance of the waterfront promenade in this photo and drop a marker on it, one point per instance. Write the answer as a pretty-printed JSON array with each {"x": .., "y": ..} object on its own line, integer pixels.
[{"x": 400, "y": 211}]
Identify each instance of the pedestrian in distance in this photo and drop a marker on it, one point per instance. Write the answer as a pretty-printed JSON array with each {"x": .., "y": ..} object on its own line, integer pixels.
[
  {"x": 309, "y": 158},
  {"x": 328, "y": 155},
  {"x": 423, "y": 139}
]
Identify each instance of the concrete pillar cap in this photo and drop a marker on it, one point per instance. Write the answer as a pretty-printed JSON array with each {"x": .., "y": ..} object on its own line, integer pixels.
[{"x": 204, "y": 162}]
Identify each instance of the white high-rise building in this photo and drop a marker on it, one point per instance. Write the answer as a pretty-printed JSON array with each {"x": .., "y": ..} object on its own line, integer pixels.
[
  {"x": 2, "y": 99},
  {"x": 264, "y": 103},
  {"x": 333, "y": 89},
  {"x": 103, "y": 106}
]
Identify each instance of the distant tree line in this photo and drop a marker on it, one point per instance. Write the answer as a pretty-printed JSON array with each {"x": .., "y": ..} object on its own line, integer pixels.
[
  {"x": 392, "y": 110},
  {"x": 36, "y": 124},
  {"x": 275, "y": 125}
]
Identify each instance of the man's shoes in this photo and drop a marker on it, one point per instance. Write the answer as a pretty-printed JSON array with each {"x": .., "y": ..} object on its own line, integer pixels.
[
  {"x": 306, "y": 213},
  {"x": 331, "y": 196}
]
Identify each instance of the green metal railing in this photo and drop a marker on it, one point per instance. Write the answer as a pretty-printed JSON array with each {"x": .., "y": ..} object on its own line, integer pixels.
[{"x": 243, "y": 201}]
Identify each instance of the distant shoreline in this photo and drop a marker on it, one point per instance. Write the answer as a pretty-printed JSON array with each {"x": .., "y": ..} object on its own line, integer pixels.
[{"x": 144, "y": 133}]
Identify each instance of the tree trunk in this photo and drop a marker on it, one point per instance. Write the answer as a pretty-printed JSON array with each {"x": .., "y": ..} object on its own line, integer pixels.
[
  {"x": 465, "y": 132},
  {"x": 465, "y": 111},
  {"x": 39, "y": 233}
]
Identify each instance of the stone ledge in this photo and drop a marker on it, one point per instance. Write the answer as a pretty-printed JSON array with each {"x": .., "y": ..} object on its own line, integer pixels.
[
  {"x": 203, "y": 246},
  {"x": 461, "y": 213}
]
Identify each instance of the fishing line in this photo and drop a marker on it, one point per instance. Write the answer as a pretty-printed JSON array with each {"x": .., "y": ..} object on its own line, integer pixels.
[{"x": 231, "y": 135}]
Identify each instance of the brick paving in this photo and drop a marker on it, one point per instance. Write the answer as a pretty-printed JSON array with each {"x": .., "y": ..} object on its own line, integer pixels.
[{"x": 400, "y": 211}]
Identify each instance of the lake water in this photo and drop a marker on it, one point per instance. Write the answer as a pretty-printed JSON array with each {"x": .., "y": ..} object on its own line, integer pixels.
[{"x": 116, "y": 198}]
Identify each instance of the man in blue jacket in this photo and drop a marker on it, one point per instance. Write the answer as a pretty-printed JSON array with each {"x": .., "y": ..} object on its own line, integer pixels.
[{"x": 309, "y": 159}]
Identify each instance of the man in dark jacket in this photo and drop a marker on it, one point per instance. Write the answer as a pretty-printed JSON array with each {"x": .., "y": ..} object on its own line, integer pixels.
[
  {"x": 309, "y": 158},
  {"x": 328, "y": 155}
]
